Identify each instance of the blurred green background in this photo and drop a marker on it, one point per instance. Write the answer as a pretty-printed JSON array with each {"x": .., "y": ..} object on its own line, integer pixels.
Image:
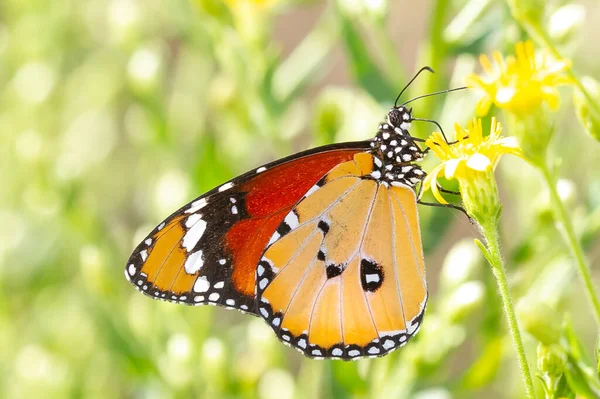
[{"x": 114, "y": 113}]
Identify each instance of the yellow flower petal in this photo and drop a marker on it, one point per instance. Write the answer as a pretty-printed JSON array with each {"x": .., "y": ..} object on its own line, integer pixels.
[
  {"x": 479, "y": 162},
  {"x": 472, "y": 150},
  {"x": 519, "y": 83},
  {"x": 451, "y": 166},
  {"x": 508, "y": 142},
  {"x": 483, "y": 106},
  {"x": 434, "y": 188}
]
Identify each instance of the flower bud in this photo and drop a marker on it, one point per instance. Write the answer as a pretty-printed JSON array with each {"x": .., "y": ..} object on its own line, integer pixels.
[
  {"x": 566, "y": 21},
  {"x": 479, "y": 192},
  {"x": 567, "y": 191},
  {"x": 531, "y": 10},
  {"x": 534, "y": 132},
  {"x": 539, "y": 320},
  {"x": 586, "y": 112},
  {"x": 550, "y": 360},
  {"x": 465, "y": 300},
  {"x": 214, "y": 355},
  {"x": 276, "y": 384},
  {"x": 460, "y": 265}
]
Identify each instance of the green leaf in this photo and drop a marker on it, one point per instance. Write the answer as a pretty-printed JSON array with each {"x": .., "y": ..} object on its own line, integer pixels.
[
  {"x": 363, "y": 67},
  {"x": 485, "y": 368},
  {"x": 580, "y": 382}
]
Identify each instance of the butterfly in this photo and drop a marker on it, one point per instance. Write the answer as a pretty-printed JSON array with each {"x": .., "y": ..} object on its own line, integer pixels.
[{"x": 324, "y": 245}]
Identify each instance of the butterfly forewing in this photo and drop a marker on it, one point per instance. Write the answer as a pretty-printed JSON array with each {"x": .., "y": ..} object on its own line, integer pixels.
[
  {"x": 343, "y": 277},
  {"x": 207, "y": 252}
]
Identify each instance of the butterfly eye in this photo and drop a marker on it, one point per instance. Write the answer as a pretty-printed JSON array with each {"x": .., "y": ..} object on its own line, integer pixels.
[{"x": 395, "y": 117}]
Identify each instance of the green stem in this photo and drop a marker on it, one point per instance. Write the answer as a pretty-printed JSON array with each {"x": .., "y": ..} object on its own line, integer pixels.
[
  {"x": 492, "y": 254},
  {"x": 566, "y": 228}
]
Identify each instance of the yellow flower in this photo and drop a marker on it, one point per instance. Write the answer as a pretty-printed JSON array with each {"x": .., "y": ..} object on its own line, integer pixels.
[
  {"x": 519, "y": 84},
  {"x": 471, "y": 155}
]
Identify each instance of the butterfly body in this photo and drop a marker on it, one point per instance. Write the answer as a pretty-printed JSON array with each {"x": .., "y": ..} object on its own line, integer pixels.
[{"x": 324, "y": 245}]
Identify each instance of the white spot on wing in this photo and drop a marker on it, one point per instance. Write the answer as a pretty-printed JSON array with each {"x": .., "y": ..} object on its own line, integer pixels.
[
  {"x": 197, "y": 205},
  {"x": 291, "y": 220},
  {"x": 372, "y": 278},
  {"x": 263, "y": 283},
  {"x": 274, "y": 238},
  {"x": 192, "y": 220},
  {"x": 194, "y": 262},
  {"x": 144, "y": 255},
  {"x": 312, "y": 190},
  {"x": 225, "y": 186},
  {"x": 388, "y": 344},
  {"x": 201, "y": 284},
  {"x": 337, "y": 352},
  {"x": 412, "y": 327},
  {"x": 193, "y": 235},
  {"x": 131, "y": 269},
  {"x": 261, "y": 169},
  {"x": 148, "y": 241},
  {"x": 234, "y": 210},
  {"x": 214, "y": 297},
  {"x": 219, "y": 285}
]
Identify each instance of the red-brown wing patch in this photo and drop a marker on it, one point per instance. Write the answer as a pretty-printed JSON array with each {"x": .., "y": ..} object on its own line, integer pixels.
[{"x": 207, "y": 252}]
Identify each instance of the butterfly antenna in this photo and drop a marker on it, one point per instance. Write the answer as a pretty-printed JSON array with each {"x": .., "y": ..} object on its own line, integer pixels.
[
  {"x": 425, "y": 68},
  {"x": 435, "y": 94}
]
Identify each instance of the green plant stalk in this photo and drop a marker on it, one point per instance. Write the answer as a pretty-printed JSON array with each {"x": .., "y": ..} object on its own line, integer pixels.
[
  {"x": 568, "y": 232},
  {"x": 494, "y": 257}
]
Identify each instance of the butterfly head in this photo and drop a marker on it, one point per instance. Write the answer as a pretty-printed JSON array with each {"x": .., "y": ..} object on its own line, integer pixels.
[
  {"x": 400, "y": 117},
  {"x": 395, "y": 150}
]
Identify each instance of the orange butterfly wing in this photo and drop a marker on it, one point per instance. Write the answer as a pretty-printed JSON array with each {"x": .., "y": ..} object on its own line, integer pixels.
[
  {"x": 207, "y": 252},
  {"x": 347, "y": 278}
]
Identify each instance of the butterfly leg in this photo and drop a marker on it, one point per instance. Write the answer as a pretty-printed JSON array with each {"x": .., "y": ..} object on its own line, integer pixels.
[
  {"x": 443, "y": 190},
  {"x": 438, "y": 205},
  {"x": 435, "y": 123},
  {"x": 457, "y": 207},
  {"x": 441, "y": 130}
]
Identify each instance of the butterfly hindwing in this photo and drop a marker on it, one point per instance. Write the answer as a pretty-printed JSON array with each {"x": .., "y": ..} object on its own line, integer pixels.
[
  {"x": 207, "y": 252},
  {"x": 343, "y": 276}
]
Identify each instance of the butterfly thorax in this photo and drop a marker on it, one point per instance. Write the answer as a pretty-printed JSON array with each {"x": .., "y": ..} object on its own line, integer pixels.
[{"x": 395, "y": 151}]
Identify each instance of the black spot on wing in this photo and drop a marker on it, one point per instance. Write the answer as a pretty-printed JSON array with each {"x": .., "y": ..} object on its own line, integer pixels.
[
  {"x": 323, "y": 226},
  {"x": 321, "y": 255},
  {"x": 371, "y": 275},
  {"x": 333, "y": 270}
]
